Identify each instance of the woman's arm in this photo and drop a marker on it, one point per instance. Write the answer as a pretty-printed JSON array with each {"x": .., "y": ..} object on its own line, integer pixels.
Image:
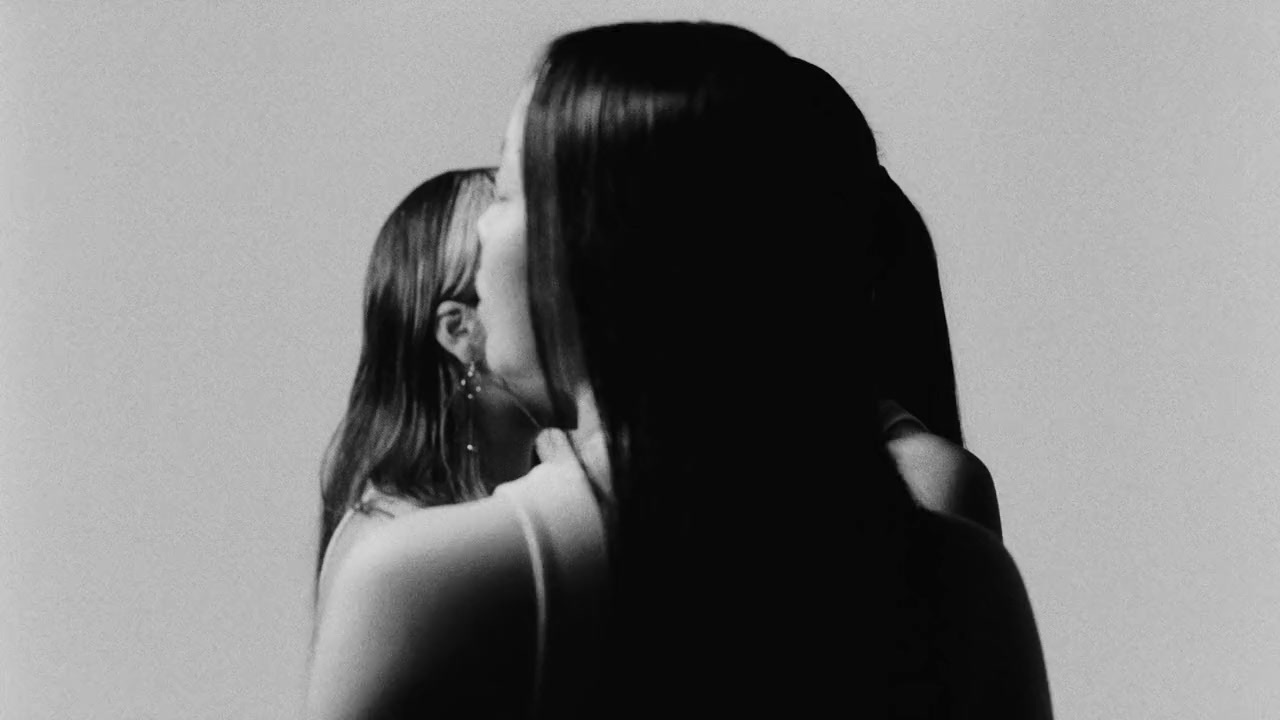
[
  {"x": 433, "y": 612},
  {"x": 989, "y": 647}
]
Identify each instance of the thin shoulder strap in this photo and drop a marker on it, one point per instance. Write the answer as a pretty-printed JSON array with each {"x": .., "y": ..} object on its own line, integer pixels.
[
  {"x": 519, "y": 504},
  {"x": 326, "y": 564},
  {"x": 564, "y": 532},
  {"x": 371, "y": 502}
]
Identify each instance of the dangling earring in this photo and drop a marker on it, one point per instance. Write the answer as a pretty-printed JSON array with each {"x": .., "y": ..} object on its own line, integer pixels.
[{"x": 470, "y": 387}]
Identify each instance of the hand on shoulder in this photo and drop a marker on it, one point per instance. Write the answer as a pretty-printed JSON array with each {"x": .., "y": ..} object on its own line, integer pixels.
[{"x": 947, "y": 478}]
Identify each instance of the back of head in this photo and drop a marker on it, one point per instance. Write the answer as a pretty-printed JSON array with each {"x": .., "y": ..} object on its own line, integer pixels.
[
  {"x": 396, "y": 434},
  {"x": 699, "y": 213},
  {"x": 914, "y": 362}
]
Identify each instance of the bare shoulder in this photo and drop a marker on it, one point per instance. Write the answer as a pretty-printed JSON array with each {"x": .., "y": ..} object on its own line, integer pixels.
[
  {"x": 990, "y": 651},
  {"x": 377, "y": 511},
  {"x": 436, "y": 604},
  {"x": 479, "y": 534},
  {"x": 947, "y": 478},
  {"x": 350, "y": 534}
]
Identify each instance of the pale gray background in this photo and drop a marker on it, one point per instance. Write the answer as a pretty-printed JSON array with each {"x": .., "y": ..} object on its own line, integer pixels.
[{"x": 190, "y": 193}]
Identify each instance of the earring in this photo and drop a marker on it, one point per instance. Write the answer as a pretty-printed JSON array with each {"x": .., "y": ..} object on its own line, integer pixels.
[{"x": 470, "y": 386}]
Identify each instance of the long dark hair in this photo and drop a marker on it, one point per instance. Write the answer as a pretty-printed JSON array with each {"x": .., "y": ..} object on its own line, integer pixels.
[
  {"x": 682, "y": 181},
  {"x": 398, "y": 431},
  {"x": 913, "y": 362},
  {"x": 915, "y": 366}
]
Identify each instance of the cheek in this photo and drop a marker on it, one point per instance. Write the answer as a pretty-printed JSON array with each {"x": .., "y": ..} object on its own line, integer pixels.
[
  {"x": 515, "y": 302},
  {"x": 502, "y": 285},
  {"x": 484, "y": 229},
  {"x": 509, "y": 278},
  {"x": 484, "y": 284}
]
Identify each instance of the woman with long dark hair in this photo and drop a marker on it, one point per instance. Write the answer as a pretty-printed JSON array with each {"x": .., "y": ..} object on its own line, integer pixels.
[
  {"x": 425, "y": 424},
  {"x": 749, "y": 545}
]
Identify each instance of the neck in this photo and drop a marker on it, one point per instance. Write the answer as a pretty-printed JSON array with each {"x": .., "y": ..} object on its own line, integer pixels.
[{"x": 506, "y": 440}]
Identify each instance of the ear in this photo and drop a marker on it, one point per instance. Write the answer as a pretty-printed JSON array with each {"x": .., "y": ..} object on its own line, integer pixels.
[{"x": 458, "y": 331}]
